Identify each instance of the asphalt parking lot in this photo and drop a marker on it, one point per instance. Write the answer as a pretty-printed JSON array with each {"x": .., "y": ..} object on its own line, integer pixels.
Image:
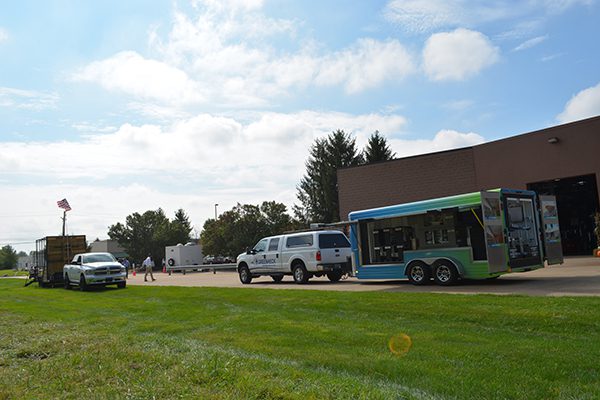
[{"x": 578, "y": 276}]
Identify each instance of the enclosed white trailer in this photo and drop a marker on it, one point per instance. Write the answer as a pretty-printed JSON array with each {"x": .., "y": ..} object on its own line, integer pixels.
[{"x": 180, "y": 255}]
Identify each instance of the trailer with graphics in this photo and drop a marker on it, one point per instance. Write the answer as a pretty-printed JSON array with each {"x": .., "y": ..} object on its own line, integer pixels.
[
  {"x": 51, "y": 254},
  {"x": 480, "y": 235}
]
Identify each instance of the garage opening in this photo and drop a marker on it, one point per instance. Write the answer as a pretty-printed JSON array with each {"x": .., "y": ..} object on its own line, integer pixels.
[{"x": 577, "y": 202}]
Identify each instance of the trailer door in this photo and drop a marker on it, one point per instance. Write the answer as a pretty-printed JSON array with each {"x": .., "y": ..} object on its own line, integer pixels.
[
  {"x": 493, "y": 227},
  {"x": 551, "y": 230}
]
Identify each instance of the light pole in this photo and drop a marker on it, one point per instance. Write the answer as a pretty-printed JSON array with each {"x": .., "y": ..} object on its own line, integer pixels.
[{"x": 216, "y": 205}]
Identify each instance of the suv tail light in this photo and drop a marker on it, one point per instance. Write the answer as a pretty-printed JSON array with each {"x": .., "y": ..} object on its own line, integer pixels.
[{"x": 318, "y": 256}]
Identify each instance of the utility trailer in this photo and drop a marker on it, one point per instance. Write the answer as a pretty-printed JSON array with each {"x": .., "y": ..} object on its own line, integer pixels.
[
  {"x": 480, "y": 235},
  {"x": 51, "y": 254}
]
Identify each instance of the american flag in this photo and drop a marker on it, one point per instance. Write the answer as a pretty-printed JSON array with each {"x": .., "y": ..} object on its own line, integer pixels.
[{"x": 64, "y": 204}]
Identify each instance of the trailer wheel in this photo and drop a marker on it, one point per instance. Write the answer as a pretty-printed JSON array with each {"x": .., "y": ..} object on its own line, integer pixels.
[
  {"x": 67, "y": 282},
  {"x": 277, "y": 278},
  {"x": 300, "y": 273},
  {"x": 418, "y": 273},
  {"x": 245, "y": 276},
  {"x": 82, "y": 284},
  {"x": 445, "y": 273}
]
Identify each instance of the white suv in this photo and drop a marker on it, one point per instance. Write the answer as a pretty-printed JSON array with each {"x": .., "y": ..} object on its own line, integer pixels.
[{"x": 302, "y": 255}]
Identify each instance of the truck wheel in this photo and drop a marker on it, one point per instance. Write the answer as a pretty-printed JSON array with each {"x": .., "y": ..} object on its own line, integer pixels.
[
  {"x": 277, "y": 278},
  {"x": 82, "y": 284},
  {"x": 418, "y": 273},
  {"x": 245, "y": 276},
  {"x": 334, "y": 276},
  {"x": 445, "y": 273},
  {"x": 122, "y": 285},
  {"x": 67, "y": 282},
  {"x": 300, "y": 274}
]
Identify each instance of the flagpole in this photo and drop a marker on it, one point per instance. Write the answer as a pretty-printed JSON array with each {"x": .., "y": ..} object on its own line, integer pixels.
[{"x": 64, "y": 218}]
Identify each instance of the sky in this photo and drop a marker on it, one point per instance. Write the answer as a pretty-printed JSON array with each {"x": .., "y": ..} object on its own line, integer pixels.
[{"x": 128, "y": 106}]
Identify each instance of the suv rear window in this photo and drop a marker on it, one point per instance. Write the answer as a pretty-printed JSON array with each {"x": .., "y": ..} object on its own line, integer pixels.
[
  {"x": 299, "y": 241},
  {"x": 333, "y": 241}
]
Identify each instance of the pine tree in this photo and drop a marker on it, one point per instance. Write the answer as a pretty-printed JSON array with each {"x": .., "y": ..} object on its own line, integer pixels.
[{"x": 377, "y": 149}]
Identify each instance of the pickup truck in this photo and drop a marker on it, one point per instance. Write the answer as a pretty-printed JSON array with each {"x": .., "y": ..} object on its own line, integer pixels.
[
  {"x": 92, "y": 269},
  {"x": 302, "y": 255}
]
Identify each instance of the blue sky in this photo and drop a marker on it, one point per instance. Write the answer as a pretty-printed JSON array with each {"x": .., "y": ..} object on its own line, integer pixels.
[{"x": 129, "y": 106}]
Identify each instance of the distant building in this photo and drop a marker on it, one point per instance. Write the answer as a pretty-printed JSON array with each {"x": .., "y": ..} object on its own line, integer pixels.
[
  {"x": 563, "y": 161},
  {"x": 108, "y": 246},
  {"x": 24, "y": 262}
]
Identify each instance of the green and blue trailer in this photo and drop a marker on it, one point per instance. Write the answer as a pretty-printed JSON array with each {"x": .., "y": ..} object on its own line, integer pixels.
[{"x": 480, "y": 235}]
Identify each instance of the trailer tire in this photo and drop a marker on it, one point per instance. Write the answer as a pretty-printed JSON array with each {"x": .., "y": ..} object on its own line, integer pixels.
[
  {"x": 171, "y": 262},
  {"x": 418, "y": 273},
  {"x": 445, "y": 273},
  {"x": 300, "y": 274},
  {"x": 82, "y": 284},
  {"x": 245, "y": 276},
  {"x": 67, "y": 282}
]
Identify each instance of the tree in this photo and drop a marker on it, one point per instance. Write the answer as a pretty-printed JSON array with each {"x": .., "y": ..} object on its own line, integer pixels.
[
  {"x": 150, "y": 233},
  {"x": 243, "y": 226},
  {"x": 317, "y": 191},
  {"x": 377, "y": 149},
  {"x": 8, "y": 257}
]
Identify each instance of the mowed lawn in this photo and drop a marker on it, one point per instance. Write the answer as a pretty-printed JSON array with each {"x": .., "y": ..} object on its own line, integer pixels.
[{"x": 178, "y": 342}]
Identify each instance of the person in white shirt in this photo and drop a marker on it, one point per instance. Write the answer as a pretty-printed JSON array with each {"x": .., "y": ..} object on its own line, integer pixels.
[{"x": 149, "y": 264}]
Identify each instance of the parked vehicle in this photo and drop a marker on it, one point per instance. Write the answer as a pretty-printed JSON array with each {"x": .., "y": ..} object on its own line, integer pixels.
[
  {"x": 51, "y": 254},
  {"x": 478, "y": 235},
  {"x": 92, "y": 269},
  {"x": 302, "y": 255}
]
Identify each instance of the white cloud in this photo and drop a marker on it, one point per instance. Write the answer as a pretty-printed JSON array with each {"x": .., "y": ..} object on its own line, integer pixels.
[
  {"x": 224, "y": 55},
  {"x": 530, "y": 43},
  {"x": 443, "y": 140},
  {"x": 27, "y": 99},
  {"x": 584, "y": 104},
  {"x": 457, "y": 55},
  {"x": 193, "y": 163},
  {"x": 3, "y": 35},
  {"x": 131, "y": 73},
  {"x": 420, "y": 16}
]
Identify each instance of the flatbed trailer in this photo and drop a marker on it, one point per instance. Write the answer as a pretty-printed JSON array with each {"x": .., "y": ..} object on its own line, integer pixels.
[{"x": 51, "y": 254}]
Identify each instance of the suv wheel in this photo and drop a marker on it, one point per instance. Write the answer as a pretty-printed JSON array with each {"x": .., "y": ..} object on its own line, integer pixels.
[
  {"x": 334, "y": 276},
  {"x": 277, "y": 278},
  {"x": 245, "y": 276},
  {"x": 300, "y": 273}
]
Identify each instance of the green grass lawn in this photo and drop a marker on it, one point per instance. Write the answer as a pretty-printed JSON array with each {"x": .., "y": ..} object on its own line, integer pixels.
[
  {"x": 175, "y": 342},
  {"x": 12, "y": 272}
]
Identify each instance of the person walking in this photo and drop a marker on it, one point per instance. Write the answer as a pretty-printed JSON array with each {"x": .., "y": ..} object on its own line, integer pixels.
[
  {"x": 126, "y": 264},
  {"x": 149, "y": 264}
]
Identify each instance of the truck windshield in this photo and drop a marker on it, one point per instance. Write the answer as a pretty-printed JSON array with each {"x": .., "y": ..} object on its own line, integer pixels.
[
  {"x": 92, "y": 258},
  {"x": 333, "y": 241}
]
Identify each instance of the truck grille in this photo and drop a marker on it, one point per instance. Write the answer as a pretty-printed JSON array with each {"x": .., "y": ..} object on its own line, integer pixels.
[{"x": 107, "y": 271}]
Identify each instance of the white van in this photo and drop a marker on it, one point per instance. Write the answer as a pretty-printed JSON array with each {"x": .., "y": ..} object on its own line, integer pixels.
[{"x": 302, "y": 255}]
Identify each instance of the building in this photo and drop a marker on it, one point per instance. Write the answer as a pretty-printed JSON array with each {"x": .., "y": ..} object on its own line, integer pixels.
[
  {"x": 108, "y": 246},
  {"x": 563, "y": 161}
]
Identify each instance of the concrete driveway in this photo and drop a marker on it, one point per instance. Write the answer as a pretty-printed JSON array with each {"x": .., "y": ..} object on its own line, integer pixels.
[{"x": 578, "y": 276}]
